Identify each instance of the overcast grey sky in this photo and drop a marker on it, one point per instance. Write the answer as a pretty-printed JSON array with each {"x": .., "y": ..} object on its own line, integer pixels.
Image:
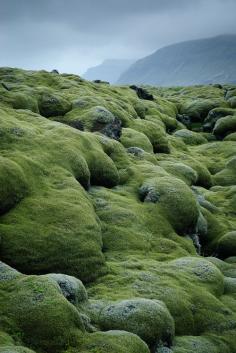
[{"x": 72, "y": 35}]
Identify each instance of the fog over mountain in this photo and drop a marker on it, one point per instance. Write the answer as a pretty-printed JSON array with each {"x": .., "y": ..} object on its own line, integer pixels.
[
  {"x": 109, "y": 70},
  {"x": 74, "y": 35}
]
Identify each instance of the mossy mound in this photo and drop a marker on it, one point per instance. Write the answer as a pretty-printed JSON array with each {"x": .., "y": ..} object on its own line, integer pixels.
[
  {"x": 175, "y": 200},
  {"x": 149, "y": 319},
  {"x": 190, "y": 137},
  {"x": 227, "y": 176},
  {"x": 155, "y": 133},
  {"x": 225, "y": 126},
  {"x": 231, "y": 137},
  {"x": 112, "y": 341},
  {"x": 199, "y": 344},
  {"x": 227, "y": 245},
  {"x": 53, "y": 105},
  {"x": 13, "y": 184},
  {"x": 133, "y": 138},
  {"x": 34, "y": 312},
  {"x": 214, "y": 115},
  {"x": 181, "y": 171},
  {"x": 232, "y": 102},
  {"x": 71, "y": 287},
  {"x": 198, "y": 109}
]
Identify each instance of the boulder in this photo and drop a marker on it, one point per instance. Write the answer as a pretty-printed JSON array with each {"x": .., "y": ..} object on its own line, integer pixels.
[
  {"x": 190, "y": 137},
  {"x": 71, "y": 287},
  {"x": 175, "y": 200},
  {"x": 113, "y": 341},
  {"x": 225, "y": 126},
  {"x": 142, "y": 93},
  {"x": 149, "y": 319},
  {"x": 13, "y": 184},
  {"x": 51, "y": 105}
]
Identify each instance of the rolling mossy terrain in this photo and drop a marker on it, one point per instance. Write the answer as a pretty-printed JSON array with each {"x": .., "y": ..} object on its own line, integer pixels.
[{"x": 117, "y": 217}]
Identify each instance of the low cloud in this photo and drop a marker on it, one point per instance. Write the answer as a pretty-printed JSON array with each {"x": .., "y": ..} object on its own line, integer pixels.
[{"x": 72, "y": 35}]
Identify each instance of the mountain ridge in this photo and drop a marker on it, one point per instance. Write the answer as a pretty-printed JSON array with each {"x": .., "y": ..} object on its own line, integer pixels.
[{"x": 199, "y": 61}]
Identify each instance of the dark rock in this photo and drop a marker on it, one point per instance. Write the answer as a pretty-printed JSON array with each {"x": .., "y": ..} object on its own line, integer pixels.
[
  {"x": 136, "y": 151},
  {"x": 100, "y": 81},
  {"x": 184, "y": 119},
  {"x": 52, "y": 105},
  {"x": 55, "y": 72},
  {"x": 142, "y": 93},
  {"x": 113, "y": 129},
  {"x": 77, "y": 125},
  {"x": 217, "y": 85},
  {"x": 71, "y": 287}
]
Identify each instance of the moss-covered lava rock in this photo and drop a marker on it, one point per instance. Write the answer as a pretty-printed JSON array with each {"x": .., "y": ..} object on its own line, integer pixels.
[{"x": 117, "y": 216}]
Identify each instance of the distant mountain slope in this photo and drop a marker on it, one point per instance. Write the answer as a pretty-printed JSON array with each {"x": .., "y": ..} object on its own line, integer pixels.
[
  {"x": 200, "y": 61},
  {"x": 110, "y": 70}
]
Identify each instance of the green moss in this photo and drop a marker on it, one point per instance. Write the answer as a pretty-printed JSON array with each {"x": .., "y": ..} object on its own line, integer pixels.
[
  {"x": 5, "y": 339},
  {"x": 71, "y": 287},
  {"x": 175, "y": 200},
  {"x": 15, "y": 349},
  {"x": 150, "y": 320},
  {"x": 232, "y": 102},
  {"x": 102, "y": 169},
  {"x": 200, "y": 344},
  {"x": 34, "y": 312},
  {"x": 190, "y": 137},
  {"x": 198, "y": 109},
  {"x": 93, "y": 119},
  {"x": 112, "y": 341},
  {"x": 231, "y": 137},
  {"x": 66, "y": 227},
  {"x": 13, "y": 184},
  {"x": 21, "y": 101},
  {"x": 181, "y": 171},
  {"x": 133, "y": 138},
  {"x": 227, "y": 176},
  {"x": 71, "y": 207},
  {"x": 155, "y": 133},
  {"x": 53, "y": 105},
  {"x": 225, "y": 126},
  {"x": 227, "y": 245},
  {"x": 214, "y": 115}
]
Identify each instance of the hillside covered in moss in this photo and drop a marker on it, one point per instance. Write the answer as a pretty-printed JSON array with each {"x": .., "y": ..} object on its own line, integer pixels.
[{"x": 117, "y": 216}]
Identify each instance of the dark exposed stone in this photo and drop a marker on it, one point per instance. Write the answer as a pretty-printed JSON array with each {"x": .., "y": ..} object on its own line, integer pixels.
[
  {"x": 217, "y": 85},
  {"x": 100, "y": 81},
  {"x": 52, "y": 105},
  {"x": 142, "y": 93},
  {"x": 55, "y": 72},
  {"x": 71, "y": 287},
  {"x": 113, "y": 130},
  {"x": 77, "y": 125},
  {"x": 184, "y": 119},
  {"x": 136, "y": 151}
]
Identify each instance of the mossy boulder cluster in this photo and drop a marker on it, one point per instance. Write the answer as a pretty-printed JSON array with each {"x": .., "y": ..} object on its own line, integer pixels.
[{"x": 117, "y": 216}]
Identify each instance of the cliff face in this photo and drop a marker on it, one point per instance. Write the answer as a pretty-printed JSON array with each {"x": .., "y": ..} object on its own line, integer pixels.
[
  {"x": 117, "y": 216},
  {"x": 194, "y": 62}
]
